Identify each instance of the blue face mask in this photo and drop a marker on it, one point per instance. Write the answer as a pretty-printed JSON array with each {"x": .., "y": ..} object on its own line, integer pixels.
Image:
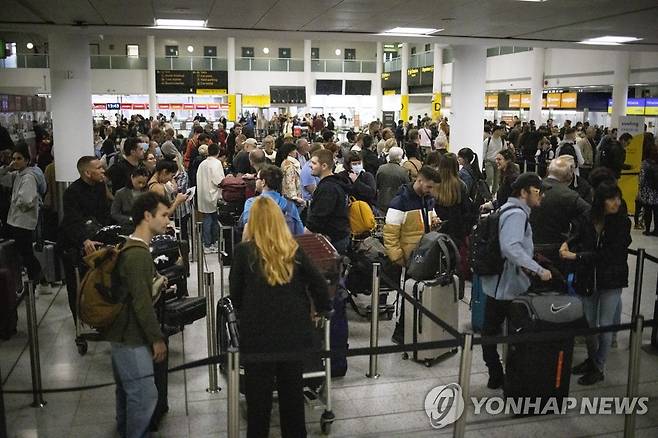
[
  {"x": 145, "y": 146},
  {"x": 357, "y": 168}
]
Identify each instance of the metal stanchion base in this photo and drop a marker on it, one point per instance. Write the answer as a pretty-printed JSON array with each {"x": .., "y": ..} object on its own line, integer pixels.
[
  {"x": 41, "y": 404},
  {"x": 213, "y": 391},
  {"x": 376, "y": 376}
]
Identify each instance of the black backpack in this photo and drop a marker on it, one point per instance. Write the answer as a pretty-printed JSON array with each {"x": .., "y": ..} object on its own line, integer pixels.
[
  {"x": 436, "y": 254},
  {"x": 479, "y": 193},
  {"x": 484, "y": 253},
  {"x": 568, "y": 149}
]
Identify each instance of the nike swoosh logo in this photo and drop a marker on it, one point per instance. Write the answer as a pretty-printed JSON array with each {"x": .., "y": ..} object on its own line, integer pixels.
[{"x": 556, "y": 309}]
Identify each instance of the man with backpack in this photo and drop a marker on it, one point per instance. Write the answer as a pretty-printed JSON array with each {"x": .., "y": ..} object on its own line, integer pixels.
[
  {"x": 512, "y": 253},
  {"x": 268, "y": 183},
  {"x": 135, "y": 336},
  {"x": 612, "y": 153}
]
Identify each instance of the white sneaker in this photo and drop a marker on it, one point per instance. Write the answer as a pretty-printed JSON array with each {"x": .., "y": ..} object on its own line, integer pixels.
[{"x": 208, "y": 250}]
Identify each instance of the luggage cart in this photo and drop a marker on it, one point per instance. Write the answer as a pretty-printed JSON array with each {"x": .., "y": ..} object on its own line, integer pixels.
[{"x": 228, "y": 336}]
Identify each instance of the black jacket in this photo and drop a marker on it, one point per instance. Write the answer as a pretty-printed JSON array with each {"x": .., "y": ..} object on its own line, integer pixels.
[
  {"x": 458, "y": 218},
  {"x": 364, "y": 188},
  {"x": 612, "y": 155},
  {"x": 328, "y": 213},
  {"x": 505, "y": 187},
  {"x": 119, "y": 174},
  {"x": 82, "y": 203},
  {"x": 275, "y": 318},
  {"x": 602, "y": 260},
  {"x": 560, "y": 208},
  {"x": 370, "y": 161}
]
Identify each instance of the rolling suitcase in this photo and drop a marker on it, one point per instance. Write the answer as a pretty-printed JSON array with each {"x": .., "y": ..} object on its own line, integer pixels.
[
  {"x": 51, "y": 267},
  {"x": 440, "y": 297},
  {"x": 541, "y": 369},
  {"x": 10, "y": 285},
  {"x": 477, "y": 305},
  {"x": 183, "y": 311}
]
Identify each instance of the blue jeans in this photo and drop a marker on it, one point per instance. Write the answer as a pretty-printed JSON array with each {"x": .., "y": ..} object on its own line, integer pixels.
[
  {"x": 600, "y": 310},
  {"x": 210, "y": 228},
  {"x": 136, "y": 395}
]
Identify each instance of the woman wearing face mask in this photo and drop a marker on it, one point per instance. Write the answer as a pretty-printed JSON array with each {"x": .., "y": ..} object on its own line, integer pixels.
[
  {"x": 599, "y": 248},
  {"x": 123, "y": 199},
  {"x": 363, "y": 187},
  {"x": 509, "y": 171}
]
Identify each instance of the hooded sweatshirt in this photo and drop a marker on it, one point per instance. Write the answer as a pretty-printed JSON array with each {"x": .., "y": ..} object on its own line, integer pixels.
[
  {"x": 328, "y": 213},
  {"x": 25, "y": 198}
]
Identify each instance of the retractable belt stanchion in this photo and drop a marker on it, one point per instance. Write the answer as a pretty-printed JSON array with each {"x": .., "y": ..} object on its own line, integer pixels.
[
  {"x": 3, "y": 417},
  {"x": 464, "y": 382},
  {"x": 654, "y": 329},
  {"x": 233, "y": 400},
  {"x": 637, "y": 287},
  {"x": 209, "y": 286},
  {"x": 193, "y": 233},
  {"x": 33, "y": 333},
  {"x": 374, "y": 320},
  {"x": 633, "y": 373},
  {"x": 200, "y": 258},
  {"x": 221, "y": 253}
]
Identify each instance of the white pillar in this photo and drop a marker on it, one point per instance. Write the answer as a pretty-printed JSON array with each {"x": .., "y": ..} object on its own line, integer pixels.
[
  {"x": 468, "y": 85},
  {"x": 404, "y": 88},
  {"x": 377, "y": 83},
  {"x": 150, "y": 75},
  {"x": 620, "y": 87},
  {"x": 437, "y": 80},
  {"x": 230, "y": 64},
  {"x": 70, "y": 82},
  {"x": 308, "y": 74},
  {"x": 537, "y": 84}
]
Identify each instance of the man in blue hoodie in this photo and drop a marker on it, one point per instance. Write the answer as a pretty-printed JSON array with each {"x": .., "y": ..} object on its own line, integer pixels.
[{"x": 268, "y": 183}]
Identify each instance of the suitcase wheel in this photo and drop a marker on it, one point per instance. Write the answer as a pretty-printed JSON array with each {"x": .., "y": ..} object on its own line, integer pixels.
[{"x": 82, "y": 345}]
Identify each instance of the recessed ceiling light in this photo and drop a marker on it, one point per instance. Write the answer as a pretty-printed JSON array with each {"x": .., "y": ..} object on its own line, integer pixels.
[
  {"x": 190, "y": 49},
  {"x": 411, "y": 31},
  {"x": 29, "y": 46},
  {"x": 266, "y": 50},
  {"x": 166, "y": 22},
  {"x": 337, "y": 52},
  {"x": 610, "y": 40}
]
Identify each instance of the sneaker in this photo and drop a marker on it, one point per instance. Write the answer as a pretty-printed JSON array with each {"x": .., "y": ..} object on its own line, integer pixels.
[
  {"x": 398, "y": 334},
  {"x": 591, "y": 378},
  {"x": 496, "y": 378},
  {"x": 638, "y": 226},
  {"x": 614, "y": 341},
  {"x": 210, "y": 250},
  {"x": 583, "y": 368}
]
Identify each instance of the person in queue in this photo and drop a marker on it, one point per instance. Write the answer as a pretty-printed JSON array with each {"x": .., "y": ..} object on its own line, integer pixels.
[
  {"x": 516, "y": 248},
  {"x": 599, "y": 247},
  {"x": 390, "y": 177},
  {"x": 119, "y": 172},
  {"x": 452, "y": 203},
  {"x": 122, "y": 203},
  {"x": 135, "y": 337},
  {"x": 271, "y": 280},
  {"x": 86, "y": 208},
  {"x": 363, "y": 185},
  {"x": 469, "y": 171},
  {"x": 509, "y": 171}
]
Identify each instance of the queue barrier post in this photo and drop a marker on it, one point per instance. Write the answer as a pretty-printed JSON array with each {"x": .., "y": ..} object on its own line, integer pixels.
[
  {"x": 633, "y": 372},
  {"x": 233, "y": 400},
  {"x": 193, "y": 234},
  {"x": 465, "y": 382},
  {"x": 199, "y": 258},
  {"x": 654, "y": 329},
  {"x": 3, "y": 417},
  {"x": 639, "y": 275},
  {"x": 209, "y": 286},
  {"x": 374, "y": 321},
  {"x": 33, "y": 334}
]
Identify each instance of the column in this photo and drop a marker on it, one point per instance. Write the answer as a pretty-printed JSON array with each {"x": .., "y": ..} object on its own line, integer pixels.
[
  {"x": 620, "y": 87},
  {"x": 150, "y": 75},
  {"x": 377, "y": 83},
  {"x": 230, "y": 64},
  {"x": 308, "y": 75},
  {"x": 537, "y": 84},
  {"x": 468, "y": 85},
  {"x": 404, "y": 88},
  {"x": 70, "y": 82},
  {"x": 437, "y": 81}
]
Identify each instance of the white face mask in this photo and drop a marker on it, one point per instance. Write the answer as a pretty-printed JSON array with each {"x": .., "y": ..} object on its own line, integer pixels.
[{"x": 357, "y": 168}]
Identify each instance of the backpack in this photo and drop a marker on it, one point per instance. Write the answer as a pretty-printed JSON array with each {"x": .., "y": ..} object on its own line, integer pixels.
[
  {"x": 288, "y": 216},
  {"x": 479, "y": 193},
  {"x": 568, "y": 149},
  {"x": 99, "y": 304},
  {"x": 233, "y": 189},
  {"x": 436, "y": 254},
  {"x": 362, "y": 219},
  {"x": 484, "y": 253}
]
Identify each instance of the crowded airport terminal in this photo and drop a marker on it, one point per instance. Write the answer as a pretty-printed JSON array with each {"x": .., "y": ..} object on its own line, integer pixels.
[{"x": 344, "y": 218}]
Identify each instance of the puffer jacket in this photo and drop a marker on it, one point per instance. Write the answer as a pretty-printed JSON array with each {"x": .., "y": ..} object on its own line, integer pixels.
[
  {"x": 601, "y": 260},
  {"x": 408, "y": 217}
]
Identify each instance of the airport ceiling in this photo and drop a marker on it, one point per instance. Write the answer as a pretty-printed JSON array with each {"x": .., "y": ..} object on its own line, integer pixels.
[{"x": 548, "y": 23}]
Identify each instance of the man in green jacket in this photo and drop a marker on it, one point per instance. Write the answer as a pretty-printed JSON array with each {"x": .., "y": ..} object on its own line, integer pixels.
[{"x": 135, "y": 334}]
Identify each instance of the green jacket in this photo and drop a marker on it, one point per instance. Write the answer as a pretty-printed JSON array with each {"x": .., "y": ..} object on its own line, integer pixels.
[{"x": 137, "y": 323}]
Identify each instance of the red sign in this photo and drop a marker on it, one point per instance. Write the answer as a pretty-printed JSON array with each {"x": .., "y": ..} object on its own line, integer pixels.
[
  {"x": 100, "y": 106},
  {"x": 126, "y": 106},
  {"x": 139, "y": 106},
  {"x": 188, "y": 106},
  {"x": 214, "y": 106},
  {"x": 224, "y": 105},
  {"x": 163, "y": 106},
  {"x": 201, "y": 106},
  {"x": 176, "y": 106}
]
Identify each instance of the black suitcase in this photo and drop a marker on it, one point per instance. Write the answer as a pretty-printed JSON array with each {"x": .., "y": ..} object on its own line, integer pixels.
[
  {"x": 51, "y": 265},
  {"x": 10, "y": 285},
  {"x": 161, "y": 378},
  {"x": 541, "y": 369},
  {"x": 184, "y": 311}
]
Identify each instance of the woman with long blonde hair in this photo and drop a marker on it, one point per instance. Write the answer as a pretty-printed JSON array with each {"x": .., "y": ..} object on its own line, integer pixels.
[{"x": 270, "y": 283}]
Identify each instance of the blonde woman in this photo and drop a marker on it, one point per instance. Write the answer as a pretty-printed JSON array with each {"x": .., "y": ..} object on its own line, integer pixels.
[{"x": 268, "y": 282}]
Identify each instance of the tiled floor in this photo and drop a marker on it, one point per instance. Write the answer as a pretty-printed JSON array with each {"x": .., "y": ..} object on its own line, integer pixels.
[{"x": 389, "y": 406}]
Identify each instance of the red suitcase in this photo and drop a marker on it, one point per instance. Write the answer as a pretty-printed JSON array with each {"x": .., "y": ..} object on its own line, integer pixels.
[{"x": 324, "y": 256}]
